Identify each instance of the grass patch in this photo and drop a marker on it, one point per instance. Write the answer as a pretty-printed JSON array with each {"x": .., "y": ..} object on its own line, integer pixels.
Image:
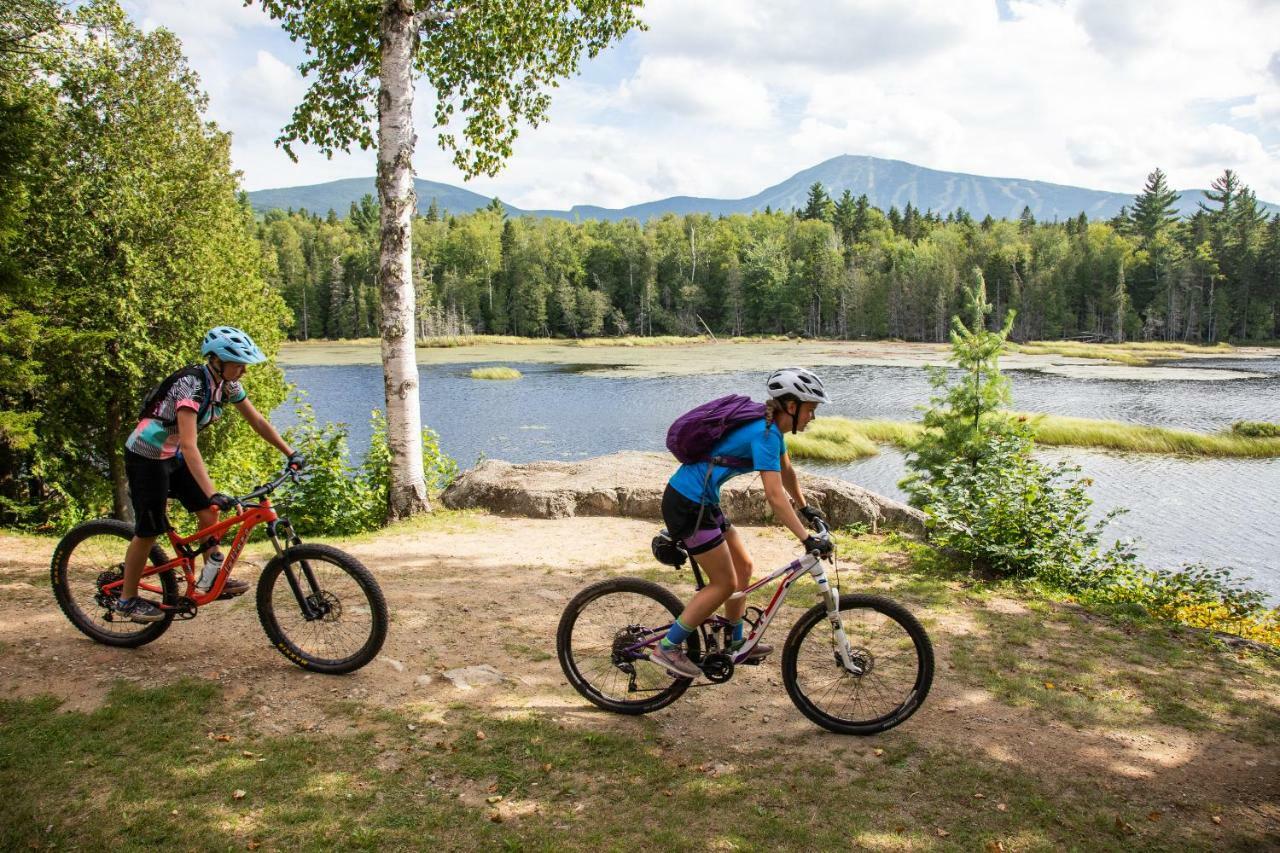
[
  {"x": 495, "y": 373},
  {"x": 844, "y": 440},
  {"x": 1059, "y": 430},
  {"x": 1256, "y": 429},
  {"x": 528, "y": 784},
  {"x": 638, "y": 341},
  {"x": 1137, "y": 354}
]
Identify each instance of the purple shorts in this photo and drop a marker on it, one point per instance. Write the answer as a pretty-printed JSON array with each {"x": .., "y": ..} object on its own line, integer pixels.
[{"x": 681, "y": 517}]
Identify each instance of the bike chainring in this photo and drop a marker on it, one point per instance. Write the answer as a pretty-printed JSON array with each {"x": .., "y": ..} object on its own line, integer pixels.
[
  {"x": 717, "y": 667},
  {"x": 185, "y": 608}
]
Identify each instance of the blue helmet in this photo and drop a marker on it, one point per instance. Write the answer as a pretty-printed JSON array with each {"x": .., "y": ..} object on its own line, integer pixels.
[{"x": 230, "y": 344}]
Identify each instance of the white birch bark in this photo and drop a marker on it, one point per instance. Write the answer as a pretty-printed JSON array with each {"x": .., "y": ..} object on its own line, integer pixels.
[{"x": 408, "y": 492}]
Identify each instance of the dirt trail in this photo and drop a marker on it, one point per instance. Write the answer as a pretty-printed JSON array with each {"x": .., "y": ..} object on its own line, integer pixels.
[{"x": 490, "y": 590}]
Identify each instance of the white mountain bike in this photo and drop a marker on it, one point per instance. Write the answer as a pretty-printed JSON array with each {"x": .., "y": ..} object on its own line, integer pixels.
[{"x": 854, "y": 664}]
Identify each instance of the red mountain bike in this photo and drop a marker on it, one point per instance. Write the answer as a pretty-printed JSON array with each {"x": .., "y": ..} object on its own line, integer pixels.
[{"x": 321, "y": 608}]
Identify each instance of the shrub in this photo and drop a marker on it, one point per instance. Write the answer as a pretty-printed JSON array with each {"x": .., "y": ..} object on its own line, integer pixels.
[
  {"x": 1008, "y": 513},
  {"x": 337, "y": 498}
]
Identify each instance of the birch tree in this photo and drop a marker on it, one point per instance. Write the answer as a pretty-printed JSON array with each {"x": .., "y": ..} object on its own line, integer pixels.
[{"x": 488, "y": 63}]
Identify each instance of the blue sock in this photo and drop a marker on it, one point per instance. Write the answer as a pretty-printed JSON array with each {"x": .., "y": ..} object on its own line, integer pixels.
[
  {"x": 739, "y": 630},
  {"x": 677, "y": 635}
]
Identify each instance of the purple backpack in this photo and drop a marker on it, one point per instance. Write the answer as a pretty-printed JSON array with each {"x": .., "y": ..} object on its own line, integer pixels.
[{"x": 695, "y": 433}]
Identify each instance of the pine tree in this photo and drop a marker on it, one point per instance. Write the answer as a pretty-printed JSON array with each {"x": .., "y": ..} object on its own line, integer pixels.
[
  {"x": 1155, "y": 208},
  {"x": 818, "y": 205},
  {"x": 1027, "y": 221}
]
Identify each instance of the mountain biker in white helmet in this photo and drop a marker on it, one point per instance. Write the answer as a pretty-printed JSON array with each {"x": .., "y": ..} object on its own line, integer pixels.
[
  {"x": 691, "y": 511},
  {"x": 162, "y": 458}
]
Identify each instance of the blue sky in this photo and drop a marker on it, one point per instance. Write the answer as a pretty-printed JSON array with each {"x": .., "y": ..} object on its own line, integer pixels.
[{"x": 724, "y": 97}]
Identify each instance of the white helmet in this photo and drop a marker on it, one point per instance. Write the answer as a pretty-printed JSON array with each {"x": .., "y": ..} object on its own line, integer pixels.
[{"x": 798, "y": 382}]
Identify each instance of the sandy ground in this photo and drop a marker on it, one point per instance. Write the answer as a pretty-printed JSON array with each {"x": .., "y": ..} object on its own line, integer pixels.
[
  {"x": 490, "y": 590},
  {"x": 754, "y": 355}
]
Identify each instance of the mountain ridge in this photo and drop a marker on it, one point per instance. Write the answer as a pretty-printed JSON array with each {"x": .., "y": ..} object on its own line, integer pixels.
[{"x": 886, "y": 183}]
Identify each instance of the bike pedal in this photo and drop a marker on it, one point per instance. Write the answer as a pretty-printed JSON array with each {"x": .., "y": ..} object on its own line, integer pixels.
[
  {"x": 753, "y": 661},
  {"x": 228, "y": 595}
]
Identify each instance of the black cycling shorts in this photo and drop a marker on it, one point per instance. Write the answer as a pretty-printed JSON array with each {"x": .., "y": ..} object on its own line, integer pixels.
[
  {"x": 681, "y": 515},
  {"x": 151, "y": 483}
]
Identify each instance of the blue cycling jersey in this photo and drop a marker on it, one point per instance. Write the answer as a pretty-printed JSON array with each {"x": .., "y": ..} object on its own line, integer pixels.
[{"x": 760, "y": 443}]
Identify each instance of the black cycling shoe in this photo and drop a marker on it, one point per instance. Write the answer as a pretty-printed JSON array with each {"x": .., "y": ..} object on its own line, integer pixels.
[
  {"x": 232, "y": 588},
  {"x": 137, "y": 609}
]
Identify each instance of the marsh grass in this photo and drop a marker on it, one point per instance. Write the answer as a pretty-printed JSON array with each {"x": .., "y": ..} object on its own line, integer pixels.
[
  {"x": 1059, "y": 430},
  {"x": 397, "y": 780},
  {"x": 845, "y": 440},
  {"x": 495, "y": 373},
  {"x": 638, "y": 341},
  {"x": 1137, "y": 354}
]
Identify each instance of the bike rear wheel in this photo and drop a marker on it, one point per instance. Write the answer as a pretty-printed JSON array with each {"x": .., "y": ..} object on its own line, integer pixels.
[
  {"x": 886, "y": 641},
  {"x": 322, "y": 609},
  {"x": 597, "y": 630},
  {"x": 91, "y": 555}
]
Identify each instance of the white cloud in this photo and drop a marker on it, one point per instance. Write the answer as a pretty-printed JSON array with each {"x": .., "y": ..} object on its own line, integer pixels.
[
  {"x": 693, "y": 89},
  {"x": 724, "y": 97}
]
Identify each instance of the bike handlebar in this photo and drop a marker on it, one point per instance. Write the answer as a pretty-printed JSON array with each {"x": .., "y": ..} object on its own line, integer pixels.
[{"x": 289, "y": 473}]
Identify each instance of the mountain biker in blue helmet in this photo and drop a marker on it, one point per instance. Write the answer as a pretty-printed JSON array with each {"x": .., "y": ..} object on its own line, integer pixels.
[
  {"x": 162, "y": 457},
  {"x": 691, "y": 511}
]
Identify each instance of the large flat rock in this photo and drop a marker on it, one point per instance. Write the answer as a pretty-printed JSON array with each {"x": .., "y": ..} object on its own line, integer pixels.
[{"x": 630, "y": 484}]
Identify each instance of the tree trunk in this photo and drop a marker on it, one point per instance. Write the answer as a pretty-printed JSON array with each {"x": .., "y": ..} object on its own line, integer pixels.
[
  {"x": 121, "y": 506},
  {"x": 408, "y": 492}
]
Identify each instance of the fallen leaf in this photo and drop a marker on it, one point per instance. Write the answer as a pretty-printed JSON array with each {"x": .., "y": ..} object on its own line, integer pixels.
[
  {"x": 1123, "y": 827},
  {"x": 173, "y": 812},
  {"x": 1048, "y": 685},
  {"x": 1002, "y": 807},
  {"x": 668, "y": 793},
  {"x": 979, "y": 796},
  {"x": 995, "y": 847},
  {"x": 239, "y": 794},
  {"x": 495, "y": 816},
  {"x": 879, "y": 752},
  {"x": 546, "y": 768},
  {"x": 253, "y": 845},
  {"x": 900, "y": 830},
  {"x": 1154, "y": 815},
  {"x": 480, "y": 735},
  {"x": 942, "y": 833},
  {"x": 247, "y": 754},
  {"x": 493, "y": 787},
  {"x": 496, "y": 798},
  {"x": 1217, "y": 819}
]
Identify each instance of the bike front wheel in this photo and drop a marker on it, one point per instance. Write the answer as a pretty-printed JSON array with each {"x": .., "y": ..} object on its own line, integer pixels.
[
  {"x": 887, "y": 644},
  {"x": 90, "y": 557},
  {"x": 600, "y": 643},
  {"x": 322, "y": 609}
]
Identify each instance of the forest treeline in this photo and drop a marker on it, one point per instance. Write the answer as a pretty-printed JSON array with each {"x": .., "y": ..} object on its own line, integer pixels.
[{"x": 839, "y": 267}]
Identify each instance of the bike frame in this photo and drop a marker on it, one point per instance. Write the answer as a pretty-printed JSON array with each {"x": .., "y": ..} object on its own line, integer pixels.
[
  {"x": 790, "y": 573},
  {"x": 187, "y": 549}
]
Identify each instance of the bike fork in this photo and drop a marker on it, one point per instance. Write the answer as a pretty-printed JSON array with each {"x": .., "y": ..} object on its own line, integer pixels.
[
  {"x": 831, "y": 598},
  {"x": 283, "y": 529}
]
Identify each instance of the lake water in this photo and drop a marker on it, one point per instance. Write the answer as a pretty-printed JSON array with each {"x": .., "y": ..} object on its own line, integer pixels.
[{"x": 1222, "y": 512}]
